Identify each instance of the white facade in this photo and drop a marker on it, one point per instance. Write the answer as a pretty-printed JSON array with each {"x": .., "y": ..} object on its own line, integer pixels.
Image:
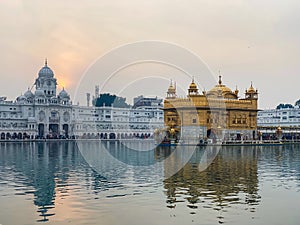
[
  {"x": 109, "y": 122},
  {"x": 284, "y": 117},
  {"x": 282, "y": 123},
  {"x": 44, "y": 114}
]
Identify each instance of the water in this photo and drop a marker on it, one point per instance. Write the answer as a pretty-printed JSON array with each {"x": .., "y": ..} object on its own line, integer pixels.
[{"x": 54, "y": 183}]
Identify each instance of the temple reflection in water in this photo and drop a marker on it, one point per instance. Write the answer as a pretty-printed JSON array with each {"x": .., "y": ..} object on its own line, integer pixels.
[
  {"x": 40, "y": 169},
  {"x": 232, "y": 178},
  {"x": 58, "y": 170}
]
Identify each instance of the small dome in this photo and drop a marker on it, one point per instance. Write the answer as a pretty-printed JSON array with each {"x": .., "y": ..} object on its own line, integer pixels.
[
  {"x": 21, "y": 98},
  {"x": 63, "y": 94},
  {"x": 193, "y": 90},
  {"x": 39, "y": 93},
  {"x": 251, "y": 89},
  {"x": 172, "y": 89},
  {"x": 46, "y": 71},
  {"x": 193, "y": 85},
  {"x": 29, "y": 94}
]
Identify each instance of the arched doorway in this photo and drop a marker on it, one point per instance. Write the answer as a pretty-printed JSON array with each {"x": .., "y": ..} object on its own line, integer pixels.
[
  {"x": 2, "y": 136},
  {"x": 53, "y": 130},
  {"x": 66, "y": 130},
  {"x": 112, "y": 136},
  {"x": 8, "y": 136},
  {"x": 41, "y": 130},
  {"x": 19, "y": 136},
  {"x": 211, "y": 135}
]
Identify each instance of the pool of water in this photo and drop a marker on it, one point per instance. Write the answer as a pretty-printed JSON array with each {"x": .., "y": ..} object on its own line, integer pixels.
[{"x": 114, "y": 184}]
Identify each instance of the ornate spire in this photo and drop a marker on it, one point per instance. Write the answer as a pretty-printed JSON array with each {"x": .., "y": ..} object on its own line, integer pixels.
[
  {"x": 236, "y": 91},
  {"x": 220, "y": 78},
  {"x": 171, "y": 93},
  {"x": 46, "y": 62}
]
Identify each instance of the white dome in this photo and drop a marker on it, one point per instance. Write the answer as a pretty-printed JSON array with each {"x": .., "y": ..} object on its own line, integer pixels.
[
  {"x": 21, "y": 98},
  {"x": 63, "y": 94},
  {"x": 29, "y": 94},
  {"x": 46, "y": 71}
]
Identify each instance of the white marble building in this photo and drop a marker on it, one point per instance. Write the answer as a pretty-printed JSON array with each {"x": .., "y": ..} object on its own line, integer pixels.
[
  {"x": 283, "y": 117},
  {"x": 282, "y": 121},
  {"x": 43, "y": 113}
]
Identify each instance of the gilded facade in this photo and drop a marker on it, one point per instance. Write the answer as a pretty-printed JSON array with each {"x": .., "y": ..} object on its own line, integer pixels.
[{"x": 219, "y": 109}]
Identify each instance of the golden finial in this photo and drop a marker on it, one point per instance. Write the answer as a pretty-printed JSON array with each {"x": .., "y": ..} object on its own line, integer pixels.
[{"x": 220, "y": 78}]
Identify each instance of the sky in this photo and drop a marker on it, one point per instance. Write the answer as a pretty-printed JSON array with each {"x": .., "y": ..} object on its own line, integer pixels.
[{"x": 246, "y": 41}]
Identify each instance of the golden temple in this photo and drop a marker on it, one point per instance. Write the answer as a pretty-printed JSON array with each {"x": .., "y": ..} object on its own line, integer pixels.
[{"x": 219, "y": 109}]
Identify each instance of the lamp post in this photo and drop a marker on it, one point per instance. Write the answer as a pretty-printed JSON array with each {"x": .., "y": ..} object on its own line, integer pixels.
[
  {"x": 279, "y": 133},
  {"x": 219, "y": 133},
  {"x": 172, "y": 135}
]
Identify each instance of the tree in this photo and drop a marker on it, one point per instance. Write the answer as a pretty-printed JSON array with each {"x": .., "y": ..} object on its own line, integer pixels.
[
  {"x": 111, "y": 100},
  {"x": 284, "y": 106}
]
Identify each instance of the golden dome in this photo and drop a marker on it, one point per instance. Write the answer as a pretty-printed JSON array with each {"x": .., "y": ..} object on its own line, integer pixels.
[
  {"x": 193, "y": 90},
  {"x": 193, "y": 85},
  {"x": 172, "y": 88},
  {"x": 251, "y": 89},
  {"x": 222, "y": 89}
]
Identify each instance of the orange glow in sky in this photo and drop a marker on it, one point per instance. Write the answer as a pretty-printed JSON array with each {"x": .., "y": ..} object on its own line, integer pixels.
[{"x": 62, "y": 82}]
